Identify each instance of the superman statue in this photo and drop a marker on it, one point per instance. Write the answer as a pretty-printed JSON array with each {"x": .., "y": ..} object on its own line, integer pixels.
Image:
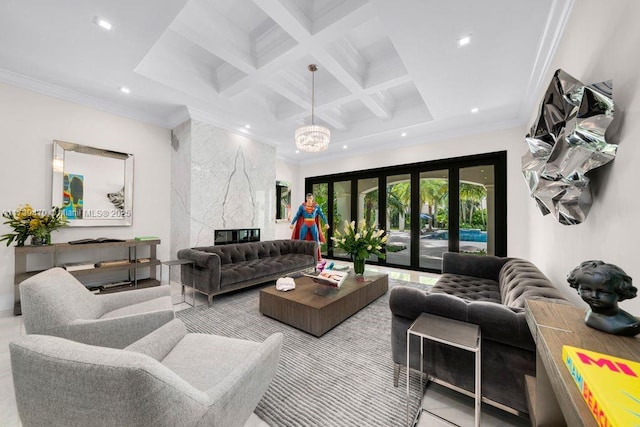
[{"x": 306, "y": 222}]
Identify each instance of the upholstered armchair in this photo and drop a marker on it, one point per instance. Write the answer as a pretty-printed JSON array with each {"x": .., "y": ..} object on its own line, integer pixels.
[
  {"x": 168, "y": 378},
  {"x": 56, "y": 303}
]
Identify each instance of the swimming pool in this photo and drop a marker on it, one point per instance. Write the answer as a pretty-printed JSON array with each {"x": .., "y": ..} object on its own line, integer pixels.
[{"x": 466, "y": 235}]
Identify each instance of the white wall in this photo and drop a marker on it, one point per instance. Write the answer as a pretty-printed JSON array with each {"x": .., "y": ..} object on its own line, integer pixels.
[
  {"x": 600, "y": 43},
  {"x": 29, "y": 122},
  {"x": 510, "y": 140}
]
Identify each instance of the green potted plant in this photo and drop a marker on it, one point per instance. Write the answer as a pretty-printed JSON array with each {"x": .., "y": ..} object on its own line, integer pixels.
[
  {"x": 26, "y": 222},
  {"x": 360, "y": 242}
]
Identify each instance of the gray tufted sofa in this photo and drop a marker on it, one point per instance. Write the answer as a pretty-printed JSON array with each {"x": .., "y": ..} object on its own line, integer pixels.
[
  {"x": 488, "y": 291},
  {"x": 225, "y": 268}
]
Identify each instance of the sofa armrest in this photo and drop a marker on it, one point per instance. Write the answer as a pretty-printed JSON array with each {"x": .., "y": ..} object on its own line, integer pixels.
[
  {"x": 205, "y": 273},
  {"x": 114, "y": 301},
  {"x": 305, "y": 247},
  {"x": 487, "y": 266},
  {"x": 161, "y": 341},
  {"x": 238, "y": 394},
  {"x": 407, "y": 302},
  {"x": 115, "y": 332},
  {"x": 201, "y": 259},
  {"x": 497, "y": 322}
]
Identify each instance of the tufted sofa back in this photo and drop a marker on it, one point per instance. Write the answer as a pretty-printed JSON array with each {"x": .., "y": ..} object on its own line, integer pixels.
[
  {"x": 520, "y": 280},
  {"x": 235, "y": 253}
]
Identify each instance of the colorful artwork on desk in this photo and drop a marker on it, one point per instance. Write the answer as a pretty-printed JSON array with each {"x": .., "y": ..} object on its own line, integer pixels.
[{"x": 73, "y": 195}]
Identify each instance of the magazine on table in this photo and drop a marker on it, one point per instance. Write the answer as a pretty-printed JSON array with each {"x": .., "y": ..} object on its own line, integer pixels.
[{"x": 330, "y": 277}]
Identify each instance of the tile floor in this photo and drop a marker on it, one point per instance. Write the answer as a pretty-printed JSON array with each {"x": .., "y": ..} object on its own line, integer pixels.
[{"x": 443, "y": 402}]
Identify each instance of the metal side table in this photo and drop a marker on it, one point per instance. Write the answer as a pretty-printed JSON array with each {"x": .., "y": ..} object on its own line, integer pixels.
[
  {"x": 174, "y": 262},
  {"x": 450, "y": 332}
]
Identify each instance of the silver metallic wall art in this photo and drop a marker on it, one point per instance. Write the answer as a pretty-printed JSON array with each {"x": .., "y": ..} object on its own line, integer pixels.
[{"x": 565, "y": 142}]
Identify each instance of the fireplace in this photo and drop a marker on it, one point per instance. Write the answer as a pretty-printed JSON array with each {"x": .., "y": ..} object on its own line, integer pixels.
[{"x": 238, "y": 235}]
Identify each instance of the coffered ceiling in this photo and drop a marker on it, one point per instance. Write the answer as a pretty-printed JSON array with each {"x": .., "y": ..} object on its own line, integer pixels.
[{"x": 390, "y": 72}]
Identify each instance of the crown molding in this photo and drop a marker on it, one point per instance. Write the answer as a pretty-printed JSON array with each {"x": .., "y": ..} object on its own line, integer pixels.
[
  {"x": 70, "y": 95},
  {"x": 551, "y": 36}
]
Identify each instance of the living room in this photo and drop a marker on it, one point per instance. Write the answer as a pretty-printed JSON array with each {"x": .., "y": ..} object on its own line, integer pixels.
[{"x": 592, "y": 40}]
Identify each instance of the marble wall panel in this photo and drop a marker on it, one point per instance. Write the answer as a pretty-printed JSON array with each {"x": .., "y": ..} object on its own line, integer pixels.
[
  {"x": 231, "y": 184},
  {"x": 180, "y": 189}
]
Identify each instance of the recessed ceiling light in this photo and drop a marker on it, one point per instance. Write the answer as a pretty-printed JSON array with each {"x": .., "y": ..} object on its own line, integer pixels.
[
  {"x": 103, "y": 23},
  {"x": 474, "y": 110},
  {"x": 344, "y": 146},
  {"x": 125, "y": 89},
  {"x": 403, "y": 134},
  {"x": 463, "y": 41},
  {"x": 247, "y": 126},
  {"x": 297, "y": 151}
]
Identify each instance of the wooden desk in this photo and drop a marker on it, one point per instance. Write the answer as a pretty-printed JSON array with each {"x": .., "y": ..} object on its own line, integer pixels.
[{"x": 552, "y": 326}]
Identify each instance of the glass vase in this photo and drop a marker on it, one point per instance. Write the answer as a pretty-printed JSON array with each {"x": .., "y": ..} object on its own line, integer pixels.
[
  {"x": 37, "y": 241},
  {"x": 358, "y": 266},
  {"x": 41, "y": 240}
]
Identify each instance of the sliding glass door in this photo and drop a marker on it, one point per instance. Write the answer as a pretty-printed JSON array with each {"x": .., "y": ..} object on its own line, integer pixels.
[
  {"x": 368, "y": 205},
  {"x": 341, "y": 211},
  {"x": 477, "y": 210},
  {"x": 398, "y": 219},
  {"x": 321, "y": 196},
  {"x": 434, "y": 217},
  {"x": 427, "y": 209}
]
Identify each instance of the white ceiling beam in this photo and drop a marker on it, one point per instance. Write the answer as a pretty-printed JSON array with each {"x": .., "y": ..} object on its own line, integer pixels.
[
  {"x": 217, "y": 35},
  {"x": 296, "y": 23},
  {"x": 348, "y": 98},
  {"x": 300, "y": 98},
  {"x": 346, "y": 16},
  {"x": 289, "y": 16},
  {"x": 348, "y": 76},
  {"x": 332, "y": 119},
  {"x": 378, "y": 106}
]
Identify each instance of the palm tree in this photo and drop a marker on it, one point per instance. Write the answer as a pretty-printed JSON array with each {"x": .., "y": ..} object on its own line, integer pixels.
[
  {"x": 471, "y": 195},
  {"x": 399, "y": 198},
  {"x": 433, "y": 192},
  {"x": 370, "y": 203}
]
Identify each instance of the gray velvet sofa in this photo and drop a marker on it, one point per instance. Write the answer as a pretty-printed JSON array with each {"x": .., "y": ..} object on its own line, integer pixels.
[
  {"x": 225, "y": 268},
  {"x": 488, "y": 291}
]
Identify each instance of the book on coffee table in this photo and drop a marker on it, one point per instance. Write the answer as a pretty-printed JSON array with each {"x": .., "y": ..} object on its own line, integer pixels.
[{"x": 330, "y": 277}]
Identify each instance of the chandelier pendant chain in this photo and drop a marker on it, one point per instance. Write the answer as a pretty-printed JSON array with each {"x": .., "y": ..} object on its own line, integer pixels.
[
  {"x": 312, "y": 138},
  {"x": 313, "y": 70}
]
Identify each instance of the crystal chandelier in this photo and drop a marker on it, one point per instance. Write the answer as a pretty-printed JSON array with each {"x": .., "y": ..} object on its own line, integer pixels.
[{"x": 312, "y": 138}]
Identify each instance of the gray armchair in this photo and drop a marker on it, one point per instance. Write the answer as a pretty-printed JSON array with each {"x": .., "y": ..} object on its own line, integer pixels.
[
  {"x": 168, "y": 378},
  {"x": 56, "y": 303}
]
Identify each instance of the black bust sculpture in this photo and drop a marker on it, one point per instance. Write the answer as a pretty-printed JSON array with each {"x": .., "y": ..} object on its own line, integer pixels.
[{"x": 601, "y": 286}]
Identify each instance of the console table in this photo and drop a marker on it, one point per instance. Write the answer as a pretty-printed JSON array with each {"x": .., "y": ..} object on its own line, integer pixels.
[
  {"x": 21, "y": 271},
  {"x": 554, "y": 398}
]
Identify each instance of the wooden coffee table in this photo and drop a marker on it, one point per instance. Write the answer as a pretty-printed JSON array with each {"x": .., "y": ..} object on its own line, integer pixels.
[{"x": 315, "y": 308}]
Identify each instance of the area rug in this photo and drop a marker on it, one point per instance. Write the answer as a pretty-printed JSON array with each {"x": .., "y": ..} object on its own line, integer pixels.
[{"x": 344, "y": 378}]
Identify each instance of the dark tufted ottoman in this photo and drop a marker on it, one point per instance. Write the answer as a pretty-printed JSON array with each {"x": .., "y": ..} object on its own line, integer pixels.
[{"x": 488, "y": 291}]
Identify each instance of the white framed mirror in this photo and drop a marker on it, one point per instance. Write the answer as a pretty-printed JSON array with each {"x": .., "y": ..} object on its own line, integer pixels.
[{"x": 92, "y": 186}]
